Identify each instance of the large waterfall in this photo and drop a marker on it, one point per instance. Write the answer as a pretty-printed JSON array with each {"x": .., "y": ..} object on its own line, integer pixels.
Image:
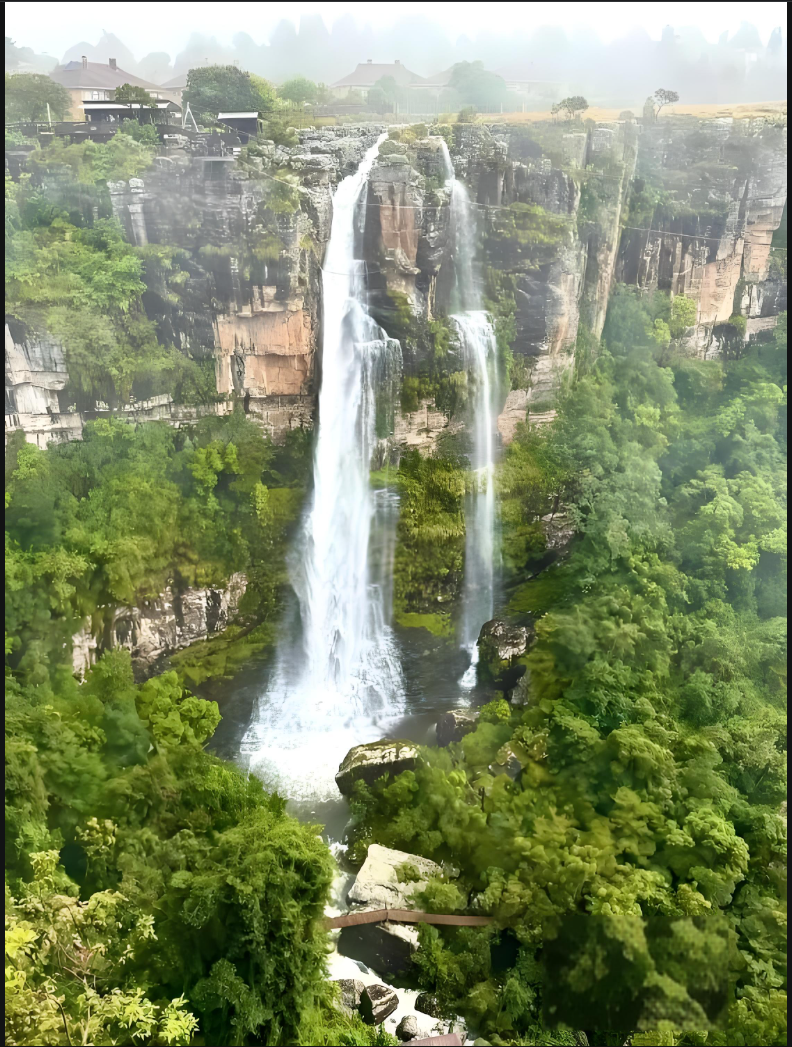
[
  {"x": 477, "y": 338},
  {"x": 343, "y": 685}
]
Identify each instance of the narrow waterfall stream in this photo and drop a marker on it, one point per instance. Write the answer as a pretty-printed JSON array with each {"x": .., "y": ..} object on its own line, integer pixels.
[
  {"x": 342, "y": 685},
  {"x": 477, "y": 338}
]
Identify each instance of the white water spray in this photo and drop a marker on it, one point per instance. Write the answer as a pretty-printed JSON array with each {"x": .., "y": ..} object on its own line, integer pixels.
[
  {"x": 344, "y": 687},
  {"x": 477, "y": 338}
]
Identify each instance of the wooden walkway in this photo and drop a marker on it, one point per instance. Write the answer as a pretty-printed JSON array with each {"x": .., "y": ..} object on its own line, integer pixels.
[{"x": 354, "y": 919}]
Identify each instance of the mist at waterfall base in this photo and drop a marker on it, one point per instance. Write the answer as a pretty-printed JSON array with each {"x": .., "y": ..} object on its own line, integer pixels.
[{"x": 342, "y": 684}]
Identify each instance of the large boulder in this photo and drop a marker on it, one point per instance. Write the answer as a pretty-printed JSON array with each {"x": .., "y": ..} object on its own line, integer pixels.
[
  {"x": 350, "y": 992},
  {"x": 454, "y": 725},
  {"x": 369, "y": 762},
  {"x": 501, "y": 648},
  {"x": 376, "y": 1003},
  {"x": 408, "y": 1029},
  {"x": 388, "y": 878},
  {"x": 427, "y": 1004},
  {"x": 387, "y": 948}
]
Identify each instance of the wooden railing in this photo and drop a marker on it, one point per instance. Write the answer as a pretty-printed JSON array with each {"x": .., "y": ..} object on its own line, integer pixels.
[{"x": 354, "y": 919}]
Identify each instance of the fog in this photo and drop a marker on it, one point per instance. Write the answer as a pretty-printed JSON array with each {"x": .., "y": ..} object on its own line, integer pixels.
[{"x": 708, "y": 55}]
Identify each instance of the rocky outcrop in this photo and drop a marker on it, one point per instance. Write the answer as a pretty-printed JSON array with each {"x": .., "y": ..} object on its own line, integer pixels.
[
  {"x": 35, "y": 378},
  {"x": 350, "y": 990},
  {"x": 388, "y": 948},
  {"x": 501, "y": 647},
  {"x": 369, "y": 762},
  {"x": 713, "y": 243},
  {"x": 376, "y": 1003},
  {"x": 388, "y": 878},
  {"x": 453, "y": 726},
  {"x": 424, "y": 427},
  {"x": 168, "y": 623},
  {"x": 408, "y": 1029}
]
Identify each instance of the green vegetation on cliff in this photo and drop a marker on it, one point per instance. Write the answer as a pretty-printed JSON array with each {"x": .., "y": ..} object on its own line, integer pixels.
[
  {"x": 115, "y": 518},
  {"x": 71, "y": 273},
  {"x": 646, "y": 772}
]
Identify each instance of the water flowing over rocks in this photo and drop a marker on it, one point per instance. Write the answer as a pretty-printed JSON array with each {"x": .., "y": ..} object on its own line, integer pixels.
[{"x": 372, "y": 760}]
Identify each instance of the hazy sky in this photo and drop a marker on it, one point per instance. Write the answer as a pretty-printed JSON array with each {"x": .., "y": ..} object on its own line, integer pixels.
[{"x": 144, "y": 27}]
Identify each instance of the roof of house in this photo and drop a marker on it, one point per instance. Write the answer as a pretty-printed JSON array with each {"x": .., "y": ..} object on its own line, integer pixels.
[
  {"x": 436, "y": 79},
  {"x": 368, "y": 73},
  {"x": 96, "y": 74},
  {"x": 237, "y": 116},
  {"x": 177, "y": 83}
]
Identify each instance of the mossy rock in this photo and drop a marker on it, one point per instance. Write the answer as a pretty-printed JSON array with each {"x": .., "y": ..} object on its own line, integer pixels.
[
  {"x": 391, "y": 148},
  {"x": 502, "y": 648},
  {"x": 369, "y": 762}
]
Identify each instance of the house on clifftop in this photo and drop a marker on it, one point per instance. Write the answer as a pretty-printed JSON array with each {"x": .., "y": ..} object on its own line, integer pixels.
[
  {"x": 96, "y": 82},
  {"x": 368, "y": 73}
]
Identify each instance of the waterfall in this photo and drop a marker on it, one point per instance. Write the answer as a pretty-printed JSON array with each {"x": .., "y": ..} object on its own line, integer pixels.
[
  {"x": 344, "y": 685},
  {"x": 477, "y": 339}
]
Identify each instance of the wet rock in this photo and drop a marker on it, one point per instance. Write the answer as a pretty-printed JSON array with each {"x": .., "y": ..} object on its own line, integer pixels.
[
  {"x": 388, "y": 878},
  {"x": 453, "y": 726},
  {"x": 407, "y": 1029},
  {"x": 501, "y": 646},
  {"x": 510, "y": 761},
  {"x": 427, "y": 1004},
  {"x": 559, "y": 532},
  {"x": 368, "y": 762},
  {"x": 376, "y": 1003},
  {"x": 387, "y": 948},
  {"x": 520, "y": 695},
  {"x": 350, "y": 992}
]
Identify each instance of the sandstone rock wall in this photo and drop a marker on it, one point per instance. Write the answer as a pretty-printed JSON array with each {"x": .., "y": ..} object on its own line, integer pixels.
[
  {"x": 725, "y": 183},
  {"x": 173, "y": 620}
]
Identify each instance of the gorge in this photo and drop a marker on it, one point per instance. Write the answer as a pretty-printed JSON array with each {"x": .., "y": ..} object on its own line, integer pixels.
[{"x": 435, "y": 476}]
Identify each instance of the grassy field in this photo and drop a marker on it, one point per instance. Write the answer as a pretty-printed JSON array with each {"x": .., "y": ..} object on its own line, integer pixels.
[{"x": 739, "y": 112}]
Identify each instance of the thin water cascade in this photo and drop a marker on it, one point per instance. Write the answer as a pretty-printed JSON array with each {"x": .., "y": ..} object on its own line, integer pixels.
[
  {"x": 477, "y": 339},
  {"x": 342, "y": 685}
]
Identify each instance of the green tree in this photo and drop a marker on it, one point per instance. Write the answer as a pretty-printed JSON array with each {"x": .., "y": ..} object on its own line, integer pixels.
[
  {"x": 28, "y": 94},
  {"x": 662, "y": 98},
  {"x": 476, "y": 85},
  {"x": 298, "y": 90},
  {"x": 129, "y": 94},
  {"x": 215, "y": 89},
  {"x": 574, "y": 106}
]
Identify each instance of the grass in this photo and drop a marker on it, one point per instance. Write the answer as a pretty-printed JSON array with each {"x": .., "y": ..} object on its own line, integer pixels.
[
  {"x": 436, "y": 624},
  {"x": 738, "y": 111},
  {"x": 221, "y": 656}
]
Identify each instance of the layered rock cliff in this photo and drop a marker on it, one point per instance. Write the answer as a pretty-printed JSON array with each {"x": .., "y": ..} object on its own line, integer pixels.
[
  {"x": 708, "y": 199},
  {"x": 233, "y": 250}
]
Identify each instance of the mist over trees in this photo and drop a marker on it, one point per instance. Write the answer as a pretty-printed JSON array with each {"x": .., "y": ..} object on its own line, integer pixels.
[{"x": 741, "y": 67}]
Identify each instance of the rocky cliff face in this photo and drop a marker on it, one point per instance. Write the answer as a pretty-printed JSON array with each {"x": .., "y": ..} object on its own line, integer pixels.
[
  {"x": 560, "y": 217},
  {"x": 158, "y": 627},
  {"x": 721, "y": 195},
  {"x": 232, "y": 252}
]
